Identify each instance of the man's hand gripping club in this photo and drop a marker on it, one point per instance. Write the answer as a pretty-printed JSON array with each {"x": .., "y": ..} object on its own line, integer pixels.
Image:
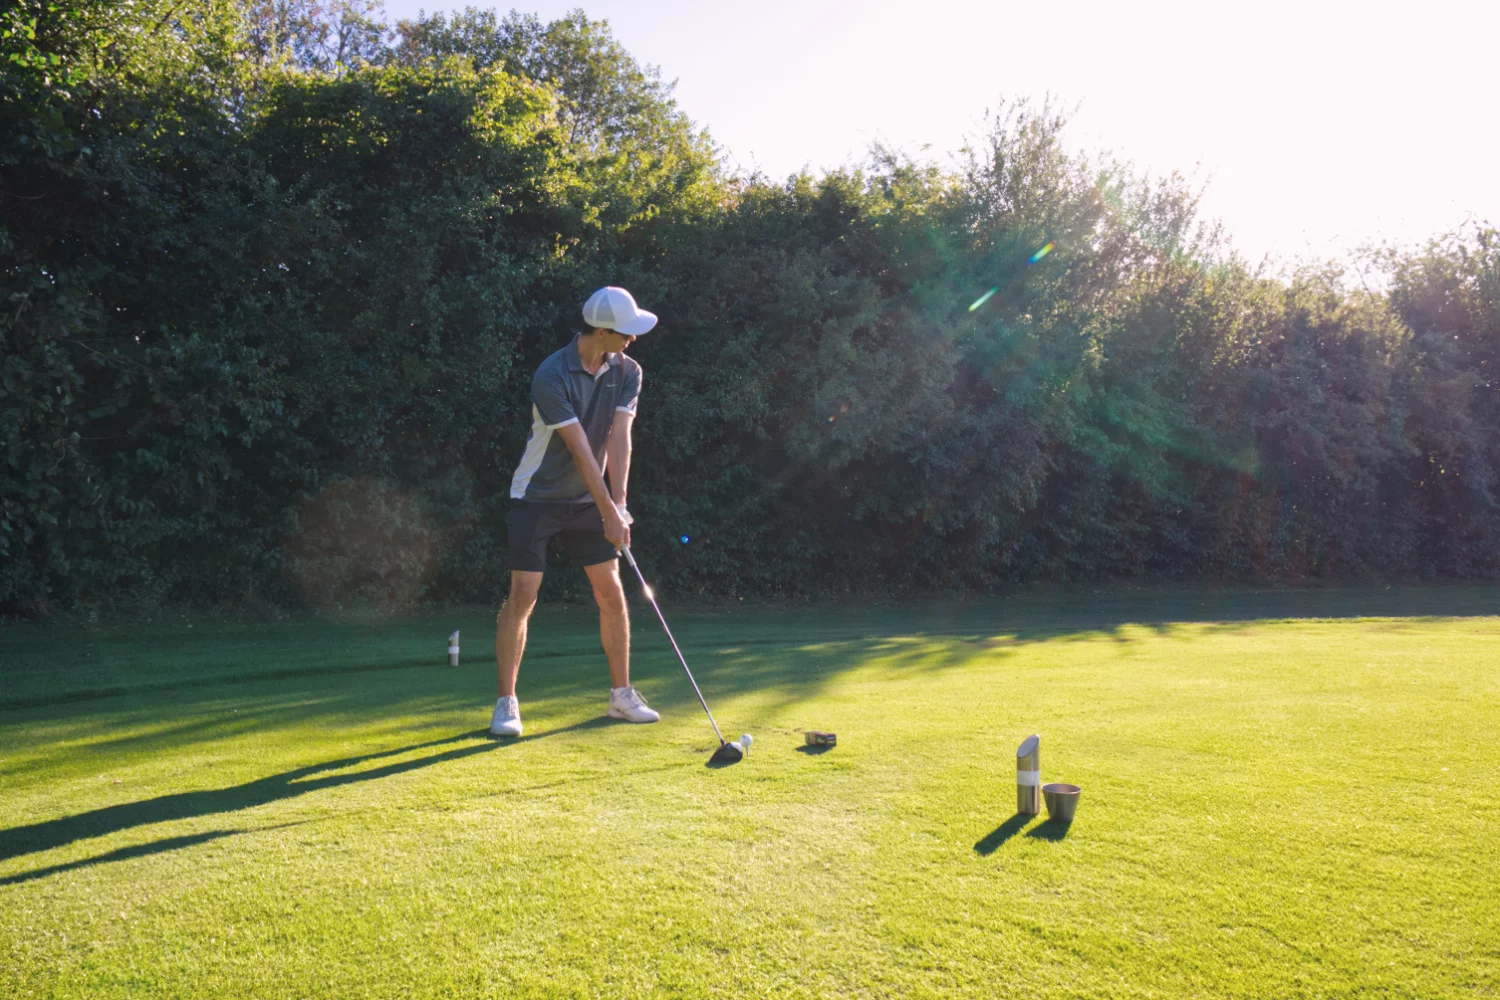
[{"x": 616, "y": 519}]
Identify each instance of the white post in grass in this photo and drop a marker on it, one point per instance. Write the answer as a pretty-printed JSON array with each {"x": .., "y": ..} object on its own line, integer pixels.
[
  {"x": 1029, "y": 776},
  {"x": 453, "y": 650}
]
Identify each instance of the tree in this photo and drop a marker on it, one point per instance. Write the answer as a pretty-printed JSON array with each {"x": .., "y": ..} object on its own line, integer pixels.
[
  {"x": 607, "y": 96},
  {"x": 326, "y": 35}
]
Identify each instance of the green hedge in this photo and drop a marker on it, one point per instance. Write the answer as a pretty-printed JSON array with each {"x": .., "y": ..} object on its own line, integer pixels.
[{"x": 269, "y": 324}]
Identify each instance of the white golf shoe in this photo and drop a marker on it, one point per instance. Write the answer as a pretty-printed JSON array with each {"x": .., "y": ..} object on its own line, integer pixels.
[
  {"x": 626, "y": 703},
  {"x": 507, "y": 718}
]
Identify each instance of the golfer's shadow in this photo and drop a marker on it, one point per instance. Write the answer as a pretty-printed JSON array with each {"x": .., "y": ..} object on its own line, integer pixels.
[
  {"x": 21, "y": 840},
  {"x": 1049, "y": 830}
]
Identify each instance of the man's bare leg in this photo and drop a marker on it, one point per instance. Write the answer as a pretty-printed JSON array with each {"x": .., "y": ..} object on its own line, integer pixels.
[
  {"x": 614, "y": 619},
  {"x": 510, "y": 627}
]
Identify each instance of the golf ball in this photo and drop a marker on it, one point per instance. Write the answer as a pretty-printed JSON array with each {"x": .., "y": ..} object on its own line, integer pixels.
[{"x": 745, "y": 740}]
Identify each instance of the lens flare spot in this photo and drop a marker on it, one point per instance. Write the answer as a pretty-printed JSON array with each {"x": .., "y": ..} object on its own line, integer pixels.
[
  {"x": 1044, "y": 251},
  {"x": 684, "y": 539},
  {"x": 650, "y": 594},
  {"x": 832, "y": 417},
  {"x": 981, "y": 300}
]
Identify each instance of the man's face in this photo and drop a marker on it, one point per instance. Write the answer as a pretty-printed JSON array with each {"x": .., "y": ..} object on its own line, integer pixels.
[{"x": 614, "y": 342}]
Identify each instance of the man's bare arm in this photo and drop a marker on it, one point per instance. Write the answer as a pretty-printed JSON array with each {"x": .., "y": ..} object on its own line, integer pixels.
[
  {"x": 615, "y": 528},
  {"x": 617, "y": 454}
]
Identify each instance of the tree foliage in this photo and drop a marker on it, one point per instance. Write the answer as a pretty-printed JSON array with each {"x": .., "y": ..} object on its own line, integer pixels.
[{"x": 275, "y": 277}]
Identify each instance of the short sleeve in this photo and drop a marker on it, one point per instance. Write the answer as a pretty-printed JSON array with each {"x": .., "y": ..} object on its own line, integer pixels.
[
  {"x": 549, "y": 394},
  {"x": 631, "y": 392}
]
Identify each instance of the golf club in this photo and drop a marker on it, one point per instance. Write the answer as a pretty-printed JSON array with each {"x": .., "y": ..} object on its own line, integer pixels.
[{"x": 728, "y": 753}]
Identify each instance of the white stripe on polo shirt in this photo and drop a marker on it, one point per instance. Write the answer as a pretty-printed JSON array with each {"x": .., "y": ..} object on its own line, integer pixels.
[{"x": 536, "y": 450}]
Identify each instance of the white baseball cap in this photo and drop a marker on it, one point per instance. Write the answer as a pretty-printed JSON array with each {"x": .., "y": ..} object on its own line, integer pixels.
[{"x": 612, "y": 308}]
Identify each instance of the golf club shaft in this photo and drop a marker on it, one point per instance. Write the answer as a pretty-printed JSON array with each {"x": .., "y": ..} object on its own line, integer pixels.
[{"x": 651, "y": 596}]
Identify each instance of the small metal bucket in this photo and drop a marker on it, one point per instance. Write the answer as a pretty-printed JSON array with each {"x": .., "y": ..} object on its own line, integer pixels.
[{"x": 1062, "y": 801}]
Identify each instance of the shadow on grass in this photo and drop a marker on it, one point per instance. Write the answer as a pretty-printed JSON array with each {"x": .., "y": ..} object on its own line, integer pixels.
[
  {"x": 813, "y": 646},
  {"x": 990, "y": 842},
  {"x": 22, "y": 840},
  {"x": 124, "y": 854},
  {"x": 136, "y": 851},
  {"x": 789, "y": 655},
  {"x": 50, "y": 665},
  {"x": 1052, "y": 829}
]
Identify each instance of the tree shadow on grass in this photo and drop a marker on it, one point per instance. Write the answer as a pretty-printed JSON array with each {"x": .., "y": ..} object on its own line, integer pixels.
[
  {"x": 45, "y": 836},
  {"x": 817, "y": 642},
  {"x": 796, "y": 649},
  {"x": 789, "y": 656}
]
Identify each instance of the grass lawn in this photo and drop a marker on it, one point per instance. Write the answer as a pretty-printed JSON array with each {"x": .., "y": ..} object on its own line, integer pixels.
[{"x": 1285, "y": 794}]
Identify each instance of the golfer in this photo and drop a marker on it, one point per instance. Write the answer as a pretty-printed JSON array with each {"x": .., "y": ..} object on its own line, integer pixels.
[{"x": 583, "y": 401}]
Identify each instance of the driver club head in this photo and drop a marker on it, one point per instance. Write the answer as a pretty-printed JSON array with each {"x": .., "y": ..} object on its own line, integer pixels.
[{"x": 728, "y": 753}]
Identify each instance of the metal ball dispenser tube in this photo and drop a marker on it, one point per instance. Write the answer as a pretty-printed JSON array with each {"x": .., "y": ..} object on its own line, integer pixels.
[{"x": 1029, "y": 777}]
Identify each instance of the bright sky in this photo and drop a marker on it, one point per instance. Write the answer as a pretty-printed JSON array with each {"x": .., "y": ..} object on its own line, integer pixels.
[{"x": 1318, "y": 125}]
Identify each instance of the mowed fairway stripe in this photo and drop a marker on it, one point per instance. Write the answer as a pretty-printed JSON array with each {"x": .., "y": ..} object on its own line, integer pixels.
[{"x": 1269, "y": 808}]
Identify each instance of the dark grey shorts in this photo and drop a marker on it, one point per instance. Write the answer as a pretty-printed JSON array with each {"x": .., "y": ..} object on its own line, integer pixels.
[{"x": 578, "y": 527}]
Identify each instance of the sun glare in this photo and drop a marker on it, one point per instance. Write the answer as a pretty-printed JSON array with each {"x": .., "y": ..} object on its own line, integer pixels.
[{"x": 977, "y": 303}]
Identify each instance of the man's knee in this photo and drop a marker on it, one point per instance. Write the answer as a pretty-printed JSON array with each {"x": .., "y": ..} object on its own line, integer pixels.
[
  {"x": 516, "y": 609},
  {"x": 521, "y": 600},
  {"x": 609, "y": 594}
]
